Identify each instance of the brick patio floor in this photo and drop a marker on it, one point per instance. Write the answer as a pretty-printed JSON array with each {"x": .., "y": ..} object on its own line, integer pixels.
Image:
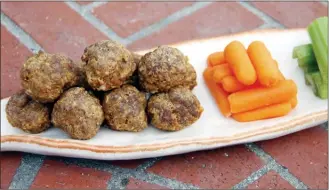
[{"x": 294, "y": 161}]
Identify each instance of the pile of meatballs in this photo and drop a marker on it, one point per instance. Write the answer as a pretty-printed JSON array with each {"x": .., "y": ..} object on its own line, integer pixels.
[{"x": 110, "y": 84}]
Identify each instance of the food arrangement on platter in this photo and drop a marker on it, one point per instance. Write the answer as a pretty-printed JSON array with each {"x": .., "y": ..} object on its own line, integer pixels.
[
  {"x": 248, "y": 85},
  {"x": 126, "y": 91},
  {"x": 109, "y": 85}
]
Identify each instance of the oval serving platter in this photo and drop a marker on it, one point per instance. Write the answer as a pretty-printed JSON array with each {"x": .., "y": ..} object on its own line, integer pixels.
[{"x": 211, "y": 131}]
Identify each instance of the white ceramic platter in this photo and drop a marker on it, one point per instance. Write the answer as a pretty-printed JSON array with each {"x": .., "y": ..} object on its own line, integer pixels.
[{"x": 211, "y": 131}]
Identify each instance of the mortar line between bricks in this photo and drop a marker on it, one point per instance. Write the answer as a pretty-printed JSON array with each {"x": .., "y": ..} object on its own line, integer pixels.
[
  {"x": 282, "y": 171},
  {"x": 93, "y": 5},
  {"x": 254, "y": 176},
  {"x": 127, "y": 173},
  {"x": 27, "y": 171},
  {"x": 148, "y": 163},
  {"x": 266, "y": 18},
  {"x": 166, "y": 21},
  {"x": 118, "y": 181},
  {"x": 97, "y": 23},
  {"x": 20, "y": 34}
]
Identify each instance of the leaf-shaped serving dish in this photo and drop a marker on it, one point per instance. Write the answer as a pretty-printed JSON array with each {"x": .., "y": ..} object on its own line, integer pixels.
[{"x": 212, "y": 130}]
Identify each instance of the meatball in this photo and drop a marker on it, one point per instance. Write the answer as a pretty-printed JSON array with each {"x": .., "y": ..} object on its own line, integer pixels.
[
  {"x": 45, "y": 76},
  {"x": 108, "y": 65},
  {"x": 165, "y": 68},
  {"x": 79, "y": 69},
  {"x": 124, "y": 109},
  {"x": 174, "y": 110},
  {"x": 78, "y": 113},
  {"x": 27, "y": 114}
]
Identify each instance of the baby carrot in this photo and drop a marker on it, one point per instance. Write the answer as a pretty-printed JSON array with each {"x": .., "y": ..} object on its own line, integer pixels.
[
  {"x": 231, "y": 84},
  {"x": 294, "y": 102},
  {"x": 221, "y": 71},
  {"x": 266, "y": 69},
  {"x": 259, "y": 97},
  {"x": 266, "y": 112},
  {"x": 216, "y": 91},
  {"x": 237, "y": 58},
  {"x": 280, "y": 75},
  {"x": 216, "y": 58}
]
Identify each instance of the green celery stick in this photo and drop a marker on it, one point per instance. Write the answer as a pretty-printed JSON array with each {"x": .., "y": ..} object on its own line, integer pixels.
[
  {"x": 318, "y": 32},
  {"x": 307, "y": 61},
  {"x": 309, "y": 79},
  {"x": 310, "y": 68},
  {"x": 321, "y": 87},
  {"x": 302, "y": 51}
]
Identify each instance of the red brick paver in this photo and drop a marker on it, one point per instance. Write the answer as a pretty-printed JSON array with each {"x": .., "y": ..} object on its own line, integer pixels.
[
  {"x": 135, "y": 15},
  {"x": 136, "y": 184},
  {"x": 293, "y": 14},
  {"x": 305, "y": 154},
  {"x": 221, "y": 168},
  {"x": 214, "y": 20},
  {"x": 13, "y": 55},
  {"x": 58, "y": 28},
  {"x": 271, "y": 180},
  {"x": 54, "y": 174},
  {"x": 9, "y": 163}
]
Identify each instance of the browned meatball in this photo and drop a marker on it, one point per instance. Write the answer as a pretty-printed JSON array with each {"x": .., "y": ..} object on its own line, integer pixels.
[
  {"x": 79, "y": 69},
  {"x": 27, "y": 114},
  {"x": 44, "y": 76},
  {"x": 165, "y": 68},
  {"x": 78, "y": 113},
  {"x": 124, "y": 109},
  {"x": 109, "y": 65},
  {"x": 175, "y": 110}
]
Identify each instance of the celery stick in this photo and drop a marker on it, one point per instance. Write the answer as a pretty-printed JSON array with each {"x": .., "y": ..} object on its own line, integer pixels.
[
  {"x": 322, "y": 89},
  {"x": 307, "y": 61},
  {"x": 309, "y": 79},
  {"x": 302, "y": 51},
  {"x": 318, "y": 32},
  {"x": 310, "y": 68}
]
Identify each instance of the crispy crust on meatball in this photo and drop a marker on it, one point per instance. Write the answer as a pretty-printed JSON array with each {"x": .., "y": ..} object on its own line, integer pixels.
[
  {"x": 78, "y": 113},
  {"x": 175, "y": 110},
  {"x": 124, "y": 109},
  {"x": 108, "y": 65},
  {"x": 165, "y": 68},
  {"x": 45, "y": 76},
  {"x": 27, "y": 114}
]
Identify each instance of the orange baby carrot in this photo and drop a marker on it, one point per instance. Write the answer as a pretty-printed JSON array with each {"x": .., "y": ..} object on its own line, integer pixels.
[
  {"x": 221, "y": 71},
  {"x": 231, "y": 84},
  {"x": 216, "y": 91},
  {"x": 281, "y": 76},
  {"x": 266, "y": 69},
  {"x": 216, "y": 58},
  {"x": 294, "y": 102},
  {"x": 266, "y": 112},
  {"x": 259, "y": 97},
  {"x": 237, "y": 58}
]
